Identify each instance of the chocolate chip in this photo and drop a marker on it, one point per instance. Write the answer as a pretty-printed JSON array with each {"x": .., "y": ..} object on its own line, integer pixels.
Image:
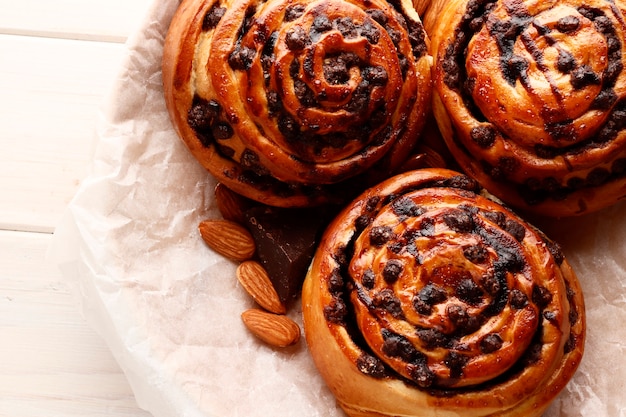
[
  {"x": 583, "y": 76},
  {"x": 476, "y": 253},
  {"x": 458, "y": 220},
  {"x": 398, "y": 346},
  {"x": 491, "y": 283},
  {"x": 305, "y": 95},
  {"x": 370, "y": 365},
  {"x": 241, "y": 58},
  {"x": 550, "y": 316},
  {"x": 335, "y": 282},
  {"x": 433, "y": 338},
  {"x": 378, "y": 16},
  {"x": 541, "y": 296},
  {"x": 202, "y": 113},
  {"x": 360, "y": 98},
  {"x": 222, "y": 131},
  {"x": 375, "y": 75},
  {"x": 370, "y": 32},
  {"x": 274, "y": 103},
  {"x": 456, "y": 362},
  {"x": 336, "y": 311},
  {"x": 432, "y": 294},
  {"x": 387, "y": 300},
  {"x": 288, "y": 126},
  {"x": 490, "y": 343},
  {"x": 296, "y": 39},
  {"x": 321, "y": 24},
  {"x": 483, "y": 135},
  {"x": 518, "y": 299},
  {"x": 597, "y": 176},
  {"x": 467, "y": 290},
  {"x": 515, "y": 67},
  {"x": 568, "y": 24},
  {"x": 369, "y": 279},
  {"x": 427, "y": 227},
  {"x": 336, "y": 71},
  {"x": 565, "y": 62},
  {"x": 421, "y": 374},
  {"x": 516, "y": 229},
  {"x": 293, "y": 12},
  {"x": 213, "y": 17},
  {"x": 346, "y": 26},
  {"x": 555, "y": 250},
  {"x": 392, "y": 270},
  {"x": 406, "y": 207},
  {"x": 458, "y": 315},
  {"x": 380, "y": 235}
]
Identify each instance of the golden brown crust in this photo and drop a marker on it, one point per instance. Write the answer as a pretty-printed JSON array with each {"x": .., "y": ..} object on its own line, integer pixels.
[
  {"x": 427, "y": 297},
  {"x": 284, "y": 100},
  {"x": 530, "y": 98}
]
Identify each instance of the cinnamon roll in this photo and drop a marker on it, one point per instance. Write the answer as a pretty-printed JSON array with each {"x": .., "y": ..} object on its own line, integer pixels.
[
  {"x": 288, "y": 102},
  {"x": 427, "y": 297},
  {"x": 530, "y": 97}
]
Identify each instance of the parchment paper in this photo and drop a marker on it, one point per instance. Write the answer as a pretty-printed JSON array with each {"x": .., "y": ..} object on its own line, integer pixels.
[{"x": 169, "y": 309}]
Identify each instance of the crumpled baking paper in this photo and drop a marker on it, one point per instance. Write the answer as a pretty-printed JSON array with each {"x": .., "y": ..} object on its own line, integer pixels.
[{"x": 169, "y": 309}]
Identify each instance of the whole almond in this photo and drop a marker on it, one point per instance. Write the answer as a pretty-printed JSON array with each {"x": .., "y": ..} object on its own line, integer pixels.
[
  {"x": 254, "y": 279},
  {"x": 274, "y": 329},
  {"x": 230, "y": 204},
  {"x": 228, "y": 238}
]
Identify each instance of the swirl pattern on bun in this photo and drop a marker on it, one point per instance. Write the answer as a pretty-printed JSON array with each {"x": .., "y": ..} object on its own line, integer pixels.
[
  {"x": 427, "y": 297},
  {"x": 287, "y": 101},
  {"x": 530, "y": 97}
]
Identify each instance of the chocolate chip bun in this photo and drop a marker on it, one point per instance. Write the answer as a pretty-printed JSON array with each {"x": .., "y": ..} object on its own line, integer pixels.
[
  {"x": 428, "y": 298},
  {"x": 297, "y": 103},
  {"x": 530, "y": 97}
]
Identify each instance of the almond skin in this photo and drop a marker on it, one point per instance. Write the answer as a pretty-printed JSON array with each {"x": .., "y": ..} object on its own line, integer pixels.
[
  {"x": 228, "y": 238},
  {"x": 230, "y": 204},
  {"x": 254, "y": 279},
  {"x": 274, "y": 329}
]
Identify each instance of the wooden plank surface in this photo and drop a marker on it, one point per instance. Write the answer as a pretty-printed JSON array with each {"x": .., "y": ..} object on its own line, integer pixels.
[
  {"x": 100, "y": 20},
  {"x": 51, "y": 93},
  {"x": 51, "y": 362},
  {"x": 58, "y": 60}
]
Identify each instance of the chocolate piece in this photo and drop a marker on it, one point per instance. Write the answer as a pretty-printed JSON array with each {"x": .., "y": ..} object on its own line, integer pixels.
[{"x": 285, "y": 243}]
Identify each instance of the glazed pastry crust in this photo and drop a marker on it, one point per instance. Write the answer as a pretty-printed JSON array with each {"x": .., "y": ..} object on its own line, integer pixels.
[
  {"x": 534, "y": 112},
  {"x": 288, "y": 102},
  {"x": 478, "y": 352}
]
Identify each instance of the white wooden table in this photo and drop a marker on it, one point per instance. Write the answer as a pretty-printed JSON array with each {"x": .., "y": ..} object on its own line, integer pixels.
[{"x": 57, "y": 61}]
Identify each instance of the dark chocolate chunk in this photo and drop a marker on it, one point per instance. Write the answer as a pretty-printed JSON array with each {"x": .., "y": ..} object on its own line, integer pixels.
[
  {"x": 369, "y": 279},
  {"x": 286, "y": 240}
]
